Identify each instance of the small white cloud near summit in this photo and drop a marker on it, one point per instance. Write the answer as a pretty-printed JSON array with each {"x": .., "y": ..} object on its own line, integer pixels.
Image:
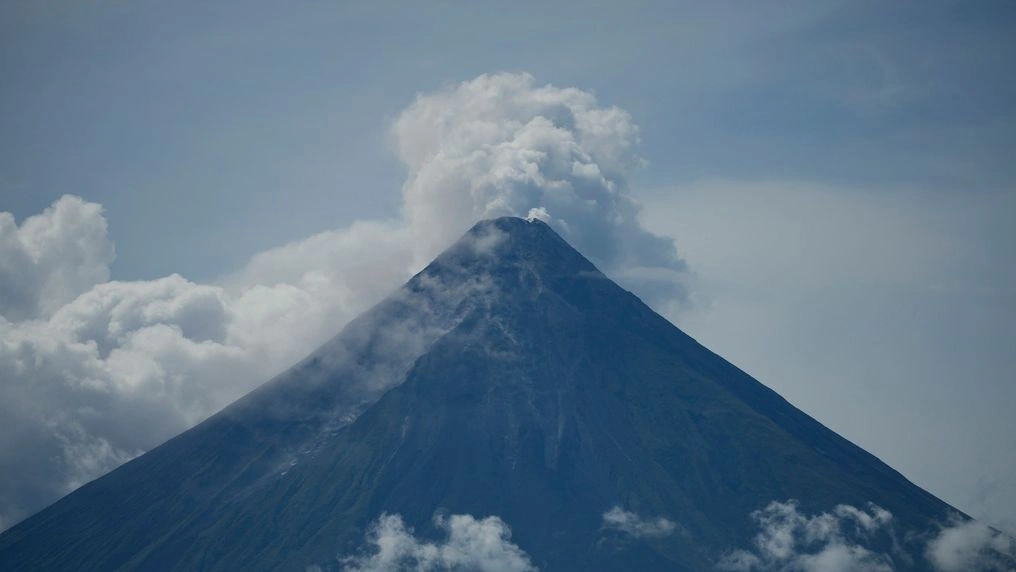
[{"x": 538, "y": 213}]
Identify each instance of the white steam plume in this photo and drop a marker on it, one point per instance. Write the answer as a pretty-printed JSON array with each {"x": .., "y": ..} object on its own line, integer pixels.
[{"x": 501, "y": 145}]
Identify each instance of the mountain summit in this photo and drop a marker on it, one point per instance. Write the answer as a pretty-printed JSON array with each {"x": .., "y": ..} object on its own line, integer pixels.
[{"x": 509, "y": 378}]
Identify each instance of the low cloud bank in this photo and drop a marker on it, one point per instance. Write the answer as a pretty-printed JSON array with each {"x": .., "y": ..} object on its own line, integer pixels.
[
  {"x": 94, "y": 372},
  {"x": 842, "y": 540},
  {"x": 971, "y": 545},
  {"x": 482, "y": 545},
  {"x": 833, "y": 541}
]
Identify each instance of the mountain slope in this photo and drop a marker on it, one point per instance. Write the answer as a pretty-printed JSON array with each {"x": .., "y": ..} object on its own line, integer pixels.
[{"x": 508, "y": 378}]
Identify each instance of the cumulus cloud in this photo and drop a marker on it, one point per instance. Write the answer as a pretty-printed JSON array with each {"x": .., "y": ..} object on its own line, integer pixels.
[
  {"x": 631, "y": 524},
  {"x": 108, "y": 376},
  {"x": 971, "y": 545},
  {"x": 827, "y": 542},
  {"x": 469, "y": 544},
  {"x": 501, "y": 145},
  {"x": 126, "y": 365},
  {"x": 843, "y": 538},
  {"x": 94, "y": 372},
  {"x": 51, "y": 257}
]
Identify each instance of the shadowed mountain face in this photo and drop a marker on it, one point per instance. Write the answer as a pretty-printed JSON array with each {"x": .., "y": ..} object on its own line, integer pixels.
[{"x": 509, "y": 378}]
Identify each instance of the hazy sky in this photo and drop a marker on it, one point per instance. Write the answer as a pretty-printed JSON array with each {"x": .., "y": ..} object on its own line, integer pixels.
[{"x": 838, "y": 178}]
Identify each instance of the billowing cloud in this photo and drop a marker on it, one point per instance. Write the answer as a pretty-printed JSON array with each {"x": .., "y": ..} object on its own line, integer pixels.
[
  {"x": 827, "y": 542},
  {"x": 631, "y": 524},
  {"x": 51, "y": 257},
  {"x": 94, "y": 372},
  {"x": 971, "y": 545},
  {"x": 470, "y": 544},
  {"x": 501, "y": 145}
]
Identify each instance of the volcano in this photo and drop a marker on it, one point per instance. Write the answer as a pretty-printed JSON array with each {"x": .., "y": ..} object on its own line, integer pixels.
[{"x": 509, "y": 378}]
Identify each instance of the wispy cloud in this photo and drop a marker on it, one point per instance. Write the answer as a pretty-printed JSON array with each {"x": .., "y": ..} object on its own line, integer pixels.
[{"x": 635, "y": 526}]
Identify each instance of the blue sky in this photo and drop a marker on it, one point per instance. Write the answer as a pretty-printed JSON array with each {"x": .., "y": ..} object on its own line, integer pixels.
[{"x": 838, "y": 176}]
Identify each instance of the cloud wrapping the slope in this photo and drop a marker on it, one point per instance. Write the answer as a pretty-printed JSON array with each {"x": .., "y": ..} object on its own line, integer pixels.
[
  {"x": 841, "y": 540},
  {"x": 93, "y": 372},
  {"x": 108, "y": 376},
  {"x": 121, "y": 366},
  {"x": 972, "y": 546},
  {"x": 483, "y": 545},
  {"x": 631, "y": 524},
  {"x": 827, "y": 542}
]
